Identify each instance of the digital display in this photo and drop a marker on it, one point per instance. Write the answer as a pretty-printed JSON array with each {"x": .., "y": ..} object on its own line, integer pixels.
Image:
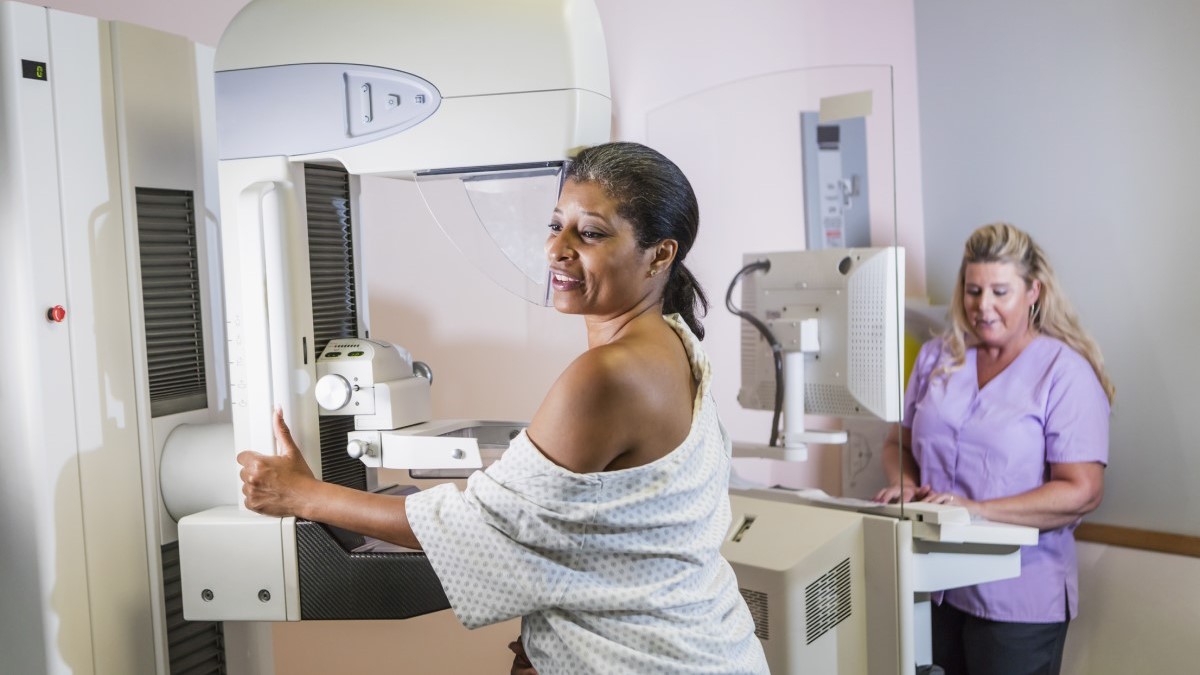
[{"x": 33, "y": 70}]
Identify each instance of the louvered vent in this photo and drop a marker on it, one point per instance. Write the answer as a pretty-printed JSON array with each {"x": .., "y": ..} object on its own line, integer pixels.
[
  {"x": 757, "y": 602},
  {"x": 171, "y": 300},
  {"x": 336, "y": 466},
  {"x": 335, "y": 303},
  {"x": 193, "y": 647},
  {"x": 827, "y": 601}
]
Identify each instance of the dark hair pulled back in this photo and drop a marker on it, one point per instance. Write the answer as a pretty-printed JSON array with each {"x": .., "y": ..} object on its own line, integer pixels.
[{"x": 657, "y": 199}]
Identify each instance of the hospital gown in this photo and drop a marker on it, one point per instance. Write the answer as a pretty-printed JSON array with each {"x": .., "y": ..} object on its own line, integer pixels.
[{"x": 612, "y": 572}]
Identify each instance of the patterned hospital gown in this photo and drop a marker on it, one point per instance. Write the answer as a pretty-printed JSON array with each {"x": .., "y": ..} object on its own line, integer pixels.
[{"x": 612, "y": 572}]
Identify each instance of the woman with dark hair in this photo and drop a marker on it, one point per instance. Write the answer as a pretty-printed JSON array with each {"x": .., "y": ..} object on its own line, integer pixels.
[
  {"x": 654, "y": 196},
  {"x": 602, "y": 523}
]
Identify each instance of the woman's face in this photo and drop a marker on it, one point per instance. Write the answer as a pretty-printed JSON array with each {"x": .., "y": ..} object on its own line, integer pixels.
[
  {"x": 595, "y": 265},
  {"x": 997, "y": 301}
]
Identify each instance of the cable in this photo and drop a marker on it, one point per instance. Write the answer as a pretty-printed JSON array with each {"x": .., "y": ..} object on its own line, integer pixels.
[{"x": 776, "y": 348}]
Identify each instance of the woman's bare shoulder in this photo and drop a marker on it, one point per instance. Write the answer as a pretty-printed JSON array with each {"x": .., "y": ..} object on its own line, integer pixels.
[
  {"x": 617, "y": 405},
  {"x": 580, "y": 424}
]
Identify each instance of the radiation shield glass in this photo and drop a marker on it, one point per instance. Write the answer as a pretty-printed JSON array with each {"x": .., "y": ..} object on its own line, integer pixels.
[
  {"x": 799, "y": 160},
  {"x": 803, "y": 161},
  {"x": 497, "y": 218}
]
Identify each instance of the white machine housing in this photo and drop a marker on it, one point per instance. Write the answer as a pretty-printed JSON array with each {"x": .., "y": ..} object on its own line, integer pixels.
[
  {"x": 374, "y": 381},
  {"x": 86, "y": 541},
  {"x": 507, "y": 85},
  {"x": 837, "y": 586}
]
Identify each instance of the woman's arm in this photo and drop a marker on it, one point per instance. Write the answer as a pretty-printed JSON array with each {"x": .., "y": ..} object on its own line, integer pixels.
[
  {"x": 900, "y": 486},
  {"x": 1074, "y": 490},
  {"x": 283, "y": 485}
]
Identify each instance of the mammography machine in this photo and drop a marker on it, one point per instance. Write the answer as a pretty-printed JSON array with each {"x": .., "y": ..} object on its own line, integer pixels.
[
  {"x": 842, "y": 585},
  {"x": 477, "y": 102}
]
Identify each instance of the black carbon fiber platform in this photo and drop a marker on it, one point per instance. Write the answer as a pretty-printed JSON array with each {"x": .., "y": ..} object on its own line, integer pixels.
[{"x": 338, "y": 584}]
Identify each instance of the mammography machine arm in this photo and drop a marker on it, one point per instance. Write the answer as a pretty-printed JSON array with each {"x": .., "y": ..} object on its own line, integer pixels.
[{"x": 465, "y": 97}]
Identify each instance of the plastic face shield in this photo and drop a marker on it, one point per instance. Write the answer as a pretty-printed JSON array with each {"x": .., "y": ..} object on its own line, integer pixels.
[{"x": 497, "y": 217}]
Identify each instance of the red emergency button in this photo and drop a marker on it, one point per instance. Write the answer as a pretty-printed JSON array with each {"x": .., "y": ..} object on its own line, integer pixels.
[{"x": 56, "y": 314}]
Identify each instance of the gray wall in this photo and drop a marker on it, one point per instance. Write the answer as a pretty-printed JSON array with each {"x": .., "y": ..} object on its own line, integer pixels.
[{"x": 1077, "y": 121}]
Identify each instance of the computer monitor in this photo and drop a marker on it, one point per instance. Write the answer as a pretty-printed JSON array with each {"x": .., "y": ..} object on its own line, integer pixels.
[{"x": 840, "y": 308}]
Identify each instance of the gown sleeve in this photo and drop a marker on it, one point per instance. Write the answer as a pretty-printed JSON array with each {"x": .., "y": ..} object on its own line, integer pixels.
[{"x": 504, "y": 546}]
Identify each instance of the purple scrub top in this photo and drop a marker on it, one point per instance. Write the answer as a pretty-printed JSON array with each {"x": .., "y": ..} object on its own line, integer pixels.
[{"x": 1046, "y": 407}]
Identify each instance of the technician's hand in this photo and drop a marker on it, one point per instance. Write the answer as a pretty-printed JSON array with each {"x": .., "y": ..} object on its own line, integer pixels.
[
  {"x": 952, "y": 499},
  {"x": 276, "y": 485},
  {"x": 907, "y": 493}
]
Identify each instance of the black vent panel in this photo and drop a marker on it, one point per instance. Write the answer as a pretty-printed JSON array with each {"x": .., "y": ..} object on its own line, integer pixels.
[
  {"x": 827, "y": 601},
  {"x": 170, "y": 271},
  {"x": 759, "y": 611},
  {"x": 334, "y": 301},
  {"x": 193, "y": 647},
  {"x": 330, "y": 254},
  {"x": 336, "y": 466}
]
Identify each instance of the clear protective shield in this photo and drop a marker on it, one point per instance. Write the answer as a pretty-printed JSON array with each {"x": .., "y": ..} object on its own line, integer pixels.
[
  {"x": 803, "y": 163},
  {"x": 497, "y": 218}
]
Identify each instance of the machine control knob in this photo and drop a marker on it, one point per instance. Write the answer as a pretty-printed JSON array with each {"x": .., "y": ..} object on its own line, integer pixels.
[
  {"x": 333, "y": 392},
  {"x": 422, "y": 369},
  {"x": 357, "y": 448}
]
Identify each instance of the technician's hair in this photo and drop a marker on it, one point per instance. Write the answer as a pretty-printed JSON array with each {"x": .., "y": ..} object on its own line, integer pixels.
[
  {"x": 1051, "y": 315},
  {"x": 654, "y": 195}
]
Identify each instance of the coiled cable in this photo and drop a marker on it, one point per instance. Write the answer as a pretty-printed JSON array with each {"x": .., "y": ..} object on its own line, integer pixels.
[{"x": 776, "y": 348}]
